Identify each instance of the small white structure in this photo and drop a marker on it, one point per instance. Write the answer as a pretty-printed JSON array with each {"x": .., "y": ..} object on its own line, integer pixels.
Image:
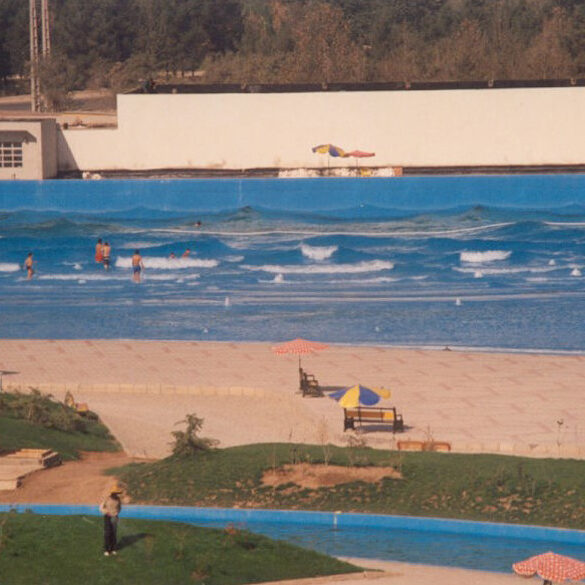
[{"x": 28, "y": 149}]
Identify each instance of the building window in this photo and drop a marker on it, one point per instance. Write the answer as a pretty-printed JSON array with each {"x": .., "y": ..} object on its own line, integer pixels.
[{"x": 10, "y": 154}]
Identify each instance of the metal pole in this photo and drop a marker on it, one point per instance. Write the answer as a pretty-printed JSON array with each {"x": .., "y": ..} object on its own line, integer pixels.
[
  {"x": 45, "y": 28},
  {"x": 35, "y": 93}
]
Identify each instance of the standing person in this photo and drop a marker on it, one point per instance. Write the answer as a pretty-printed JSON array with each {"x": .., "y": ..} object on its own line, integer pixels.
[
  {"x": 137, "y": 266},
  {"x": 99, "y": 251},
  {"x": 106, "y": 251},
  {"x": 28, "y": 264},
  {"x": 110, "y": 508}
]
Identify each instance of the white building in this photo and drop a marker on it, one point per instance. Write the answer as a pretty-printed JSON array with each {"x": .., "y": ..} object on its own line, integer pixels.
[{"x": 28, "y": 149}]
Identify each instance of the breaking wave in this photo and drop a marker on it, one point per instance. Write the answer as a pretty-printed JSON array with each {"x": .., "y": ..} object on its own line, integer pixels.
[
  {"x": 318, "y": 253},
  {"x": 359, "y": 267},
  {"x": 481, "y": 257},
  {"x": 160, "y": 263}
]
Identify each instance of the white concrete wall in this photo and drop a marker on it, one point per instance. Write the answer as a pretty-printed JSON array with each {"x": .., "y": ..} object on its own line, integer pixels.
[{"x": 404, "y": 128}]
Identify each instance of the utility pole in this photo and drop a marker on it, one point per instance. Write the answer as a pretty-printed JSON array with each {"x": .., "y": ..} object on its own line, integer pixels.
[
  {"x": 35, "y": 85},
  {"x": 37, "y": 52},
  {"x": 46, "y": 28}
]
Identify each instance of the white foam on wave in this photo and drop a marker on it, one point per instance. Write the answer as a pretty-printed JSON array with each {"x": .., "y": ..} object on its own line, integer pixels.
[
  {"x": 233, "y": 258},
  {"x": 358, "y": 267},
  {"x": 388, "y": 233},
  {"x": 479, "y": 272},
  {"x": 565, "y": 223},
  {"x": 318, "y": 253},
  {"x": 162, "y": 263},
  {"x": 114, "y": 276},
  {"x": 9, "y": 267},
  {"x": 141, "y": 245},
  {"x": 85, "y": 277},
  {"x": 482, "y": 257},
  {"x": 576, "y": 272}
]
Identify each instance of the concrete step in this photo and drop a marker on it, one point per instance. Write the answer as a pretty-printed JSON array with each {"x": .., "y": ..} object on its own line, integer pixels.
[
  {"x": 44, "y": 457},
  {"x": 15, "y": 466}
]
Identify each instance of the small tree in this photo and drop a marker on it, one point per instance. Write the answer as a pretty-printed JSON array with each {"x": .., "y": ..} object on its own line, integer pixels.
[{"x": 187, "y": 443}]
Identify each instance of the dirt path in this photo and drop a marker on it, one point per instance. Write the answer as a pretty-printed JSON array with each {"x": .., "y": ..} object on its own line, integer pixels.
[{"x": 74, "y": 482}]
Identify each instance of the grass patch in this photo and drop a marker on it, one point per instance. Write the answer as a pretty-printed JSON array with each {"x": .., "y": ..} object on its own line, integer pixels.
[
  {"x": 68, "y": 549},
  {"x": 34, "y": 420},
  {"x": 475, "y": 487}
]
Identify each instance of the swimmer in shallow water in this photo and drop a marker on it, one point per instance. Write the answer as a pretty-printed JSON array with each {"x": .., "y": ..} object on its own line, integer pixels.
[
  {"x": 28, "y": 265},
  {"x": 99, "y": 254},
  {"x": 106, "y": 251},
  {"x": 137, "y": 266}
]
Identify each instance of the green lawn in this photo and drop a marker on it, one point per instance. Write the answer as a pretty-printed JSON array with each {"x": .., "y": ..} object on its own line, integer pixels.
[
  {"x": 58, "y": 550},
  {"x": 20, "y": 434},
  {"x": 35, "y": 420},
  {"x": 476, "y": 487}
]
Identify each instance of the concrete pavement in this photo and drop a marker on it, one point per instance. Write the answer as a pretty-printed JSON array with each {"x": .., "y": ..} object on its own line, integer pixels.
[{"x": 521, "y": 404}]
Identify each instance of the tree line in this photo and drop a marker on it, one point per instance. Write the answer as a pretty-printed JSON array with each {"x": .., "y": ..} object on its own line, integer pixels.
[{"x": 118, "y": 43}]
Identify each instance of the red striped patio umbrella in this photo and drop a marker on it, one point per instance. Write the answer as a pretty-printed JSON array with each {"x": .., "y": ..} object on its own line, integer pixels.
[
  {"x": 299, "y": 347},
  {"x": 551, "y": 567},
  {"x": 359, "y": 154}
]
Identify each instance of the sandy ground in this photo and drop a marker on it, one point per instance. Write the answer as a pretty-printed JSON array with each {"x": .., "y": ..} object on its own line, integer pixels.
[
  {"x": 478, "y": 402},
  {"x": 73, "y": 482}
]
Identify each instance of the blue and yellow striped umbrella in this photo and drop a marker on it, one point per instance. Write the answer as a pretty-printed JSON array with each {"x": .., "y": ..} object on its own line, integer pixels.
[
  {"x": 330, "y": 149},
  {"x": 359, "y": 395}
]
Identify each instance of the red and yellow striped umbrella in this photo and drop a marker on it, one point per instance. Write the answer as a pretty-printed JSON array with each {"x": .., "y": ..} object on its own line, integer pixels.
[
  {"x": 551, "y": 567},
  {"x": 299, "y": 347}
]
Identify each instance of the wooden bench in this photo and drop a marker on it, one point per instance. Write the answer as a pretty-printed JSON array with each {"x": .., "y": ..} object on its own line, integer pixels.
[
  {"x": 309, "y": 386},
  {"x": 372, "y": 415}
]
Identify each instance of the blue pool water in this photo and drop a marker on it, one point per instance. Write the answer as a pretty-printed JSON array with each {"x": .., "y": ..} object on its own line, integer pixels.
[
  {"x": 472, "y": 545},
  {"x": 470, "y": 262}
]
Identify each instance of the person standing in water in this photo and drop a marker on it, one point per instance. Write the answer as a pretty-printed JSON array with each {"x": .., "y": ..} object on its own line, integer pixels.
[
  {"x": 99, "y": 251},
  {"x": 106, "y": 251},
  {"x": 28, "y": 265},
  {"x": 137, "y": 266}
]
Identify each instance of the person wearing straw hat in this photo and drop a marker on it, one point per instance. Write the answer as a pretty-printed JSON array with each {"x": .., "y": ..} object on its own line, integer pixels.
[{"x": 110, "y": 508}]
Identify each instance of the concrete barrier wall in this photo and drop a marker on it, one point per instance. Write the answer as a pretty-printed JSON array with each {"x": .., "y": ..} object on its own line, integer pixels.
[
  {"x": 201, "y": 195},
  {"x": 489, "y": 127}
]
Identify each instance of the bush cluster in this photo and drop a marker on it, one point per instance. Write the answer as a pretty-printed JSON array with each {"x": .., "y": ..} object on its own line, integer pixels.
[{"x": 41, "y": 410}]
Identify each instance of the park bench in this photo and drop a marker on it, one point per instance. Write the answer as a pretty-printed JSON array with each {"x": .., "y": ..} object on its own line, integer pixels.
[
  {"x": 309, "y": 386},
  {"x": 372, "y": 415}
]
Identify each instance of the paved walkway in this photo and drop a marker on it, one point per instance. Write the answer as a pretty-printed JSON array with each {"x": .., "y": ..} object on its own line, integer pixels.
[{"x": 478, "y": 402}]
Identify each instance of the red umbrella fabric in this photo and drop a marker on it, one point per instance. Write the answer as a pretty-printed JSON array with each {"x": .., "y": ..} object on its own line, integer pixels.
[
  {"x": 360, "y": 154},
  {"x": 299, "y": 346},
  {"x": 551, "y": 567}
]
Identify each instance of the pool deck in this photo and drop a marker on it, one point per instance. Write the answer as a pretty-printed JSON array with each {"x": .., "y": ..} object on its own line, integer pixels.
[
  {"x": 521, "y": 404},
  {"x": 395, "y": 573}
]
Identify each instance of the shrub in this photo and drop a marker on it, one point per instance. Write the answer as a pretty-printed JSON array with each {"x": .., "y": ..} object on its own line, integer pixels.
[{"x": 187, "y": 443}]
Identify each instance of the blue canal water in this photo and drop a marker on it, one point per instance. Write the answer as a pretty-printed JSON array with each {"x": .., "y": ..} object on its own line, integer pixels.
[
  {"x": 479, "y": 552},
  {"x": 480, "y": 262},
  {"x": 471, "y": 545}
]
